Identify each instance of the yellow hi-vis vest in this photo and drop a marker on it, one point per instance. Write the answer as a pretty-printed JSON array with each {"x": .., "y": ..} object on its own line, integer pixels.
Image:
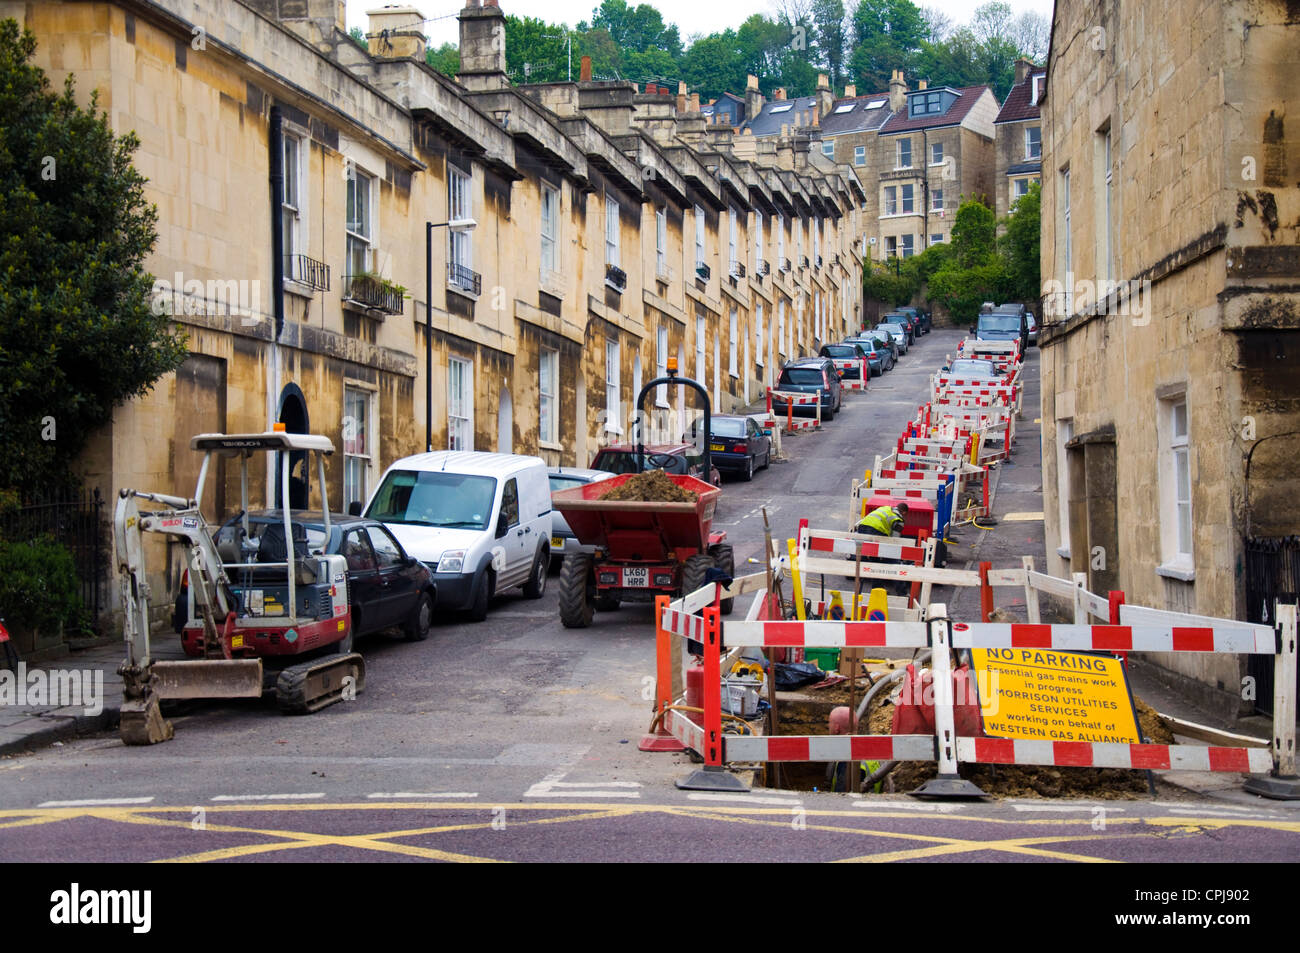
[{"x": 884, "y": 520}]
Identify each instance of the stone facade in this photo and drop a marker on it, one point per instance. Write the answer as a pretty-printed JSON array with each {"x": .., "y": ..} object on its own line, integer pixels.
[
  {"x": 579, "y": 235},
  {"x": 1019, "y": 138},
  {"x": 1170, "y": 412}
]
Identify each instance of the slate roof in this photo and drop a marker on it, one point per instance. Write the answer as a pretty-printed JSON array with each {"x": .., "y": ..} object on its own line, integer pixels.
[
  {"x": 1018, "y": 108},
  {"x": 768, "y": 122},
  {"x": 856, "y": 118},
  {"x": 1020, "y": 168},
  {"x": 967, "y": 96}
]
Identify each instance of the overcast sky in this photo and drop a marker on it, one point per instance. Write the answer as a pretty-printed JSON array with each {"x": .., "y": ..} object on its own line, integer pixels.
[{"x": 691, "y": 16}]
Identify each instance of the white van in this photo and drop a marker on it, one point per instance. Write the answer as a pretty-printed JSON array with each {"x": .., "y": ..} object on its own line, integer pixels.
[{"x": 480, "y": 521}]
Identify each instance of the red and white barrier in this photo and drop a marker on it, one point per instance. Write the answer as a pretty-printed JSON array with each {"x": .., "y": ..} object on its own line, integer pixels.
[
  {"x": 1108, "y": 754},
  {"x": 791, "y": 401},
  {"x": 831, "y": 748},
  {"x": 864, "y": 372}
]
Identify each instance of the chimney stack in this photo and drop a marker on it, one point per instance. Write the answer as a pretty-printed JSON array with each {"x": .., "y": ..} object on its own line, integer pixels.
[
  {"x": 1023, "y": 66},
  {"x": 482, "y": 46},
  {"x": 396, "y": 33},
  {"x": 584, "y": 74},
  {"x": 779, "y": 94},
  {"x": 695, "y": 102},
  {"x": 897, "y": 91},
  {"x": 923, "y": 84},
  {"x": 850, "y": 92},
  {"x": 825, "y": 98},
  {"x": 753, "y": 98}
]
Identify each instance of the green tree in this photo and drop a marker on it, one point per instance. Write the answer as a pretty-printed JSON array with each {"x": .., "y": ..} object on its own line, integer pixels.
[
  {"x": 971, "y": 272},
  {"x": 359, "y": 37},
  {"x": 886, "y": 35},
  {"x": 1021, "y": 248},
  {"x": 445, "y": 59},
  {"x": 832, "y": 38},
  {"x": 78, "y": 335}
]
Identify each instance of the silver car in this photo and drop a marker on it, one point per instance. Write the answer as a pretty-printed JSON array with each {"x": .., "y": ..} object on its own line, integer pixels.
[{"x": 563, "y": 542}]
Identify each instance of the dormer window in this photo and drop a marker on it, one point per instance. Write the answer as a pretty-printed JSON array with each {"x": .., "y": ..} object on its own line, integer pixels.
[
  {"x": 1035, "y": 88},
  {"x": 925, "y": 104}
]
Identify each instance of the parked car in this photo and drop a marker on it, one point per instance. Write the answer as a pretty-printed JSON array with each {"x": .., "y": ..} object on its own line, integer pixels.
[
  {"x": 973, "y": 367},
  {"x": 809, "y": 375},
  {"x": 924, "y": 325},
  {"x": 898, "y": 333},
  {"x": 882, "y": 341},
  {"x": 1033, "y": 329},
  {"x": 845, "y": 352},
  {"x": 481, "y": 520},
  {"x": 880, "y": 356},
  {"x": 669, "y": 457},
  {"x": 386, "y": 587},
  {"x": 563, "y": 542},
  {"x": 905, "y": 321},
  {"x": 736, "y": 443}
]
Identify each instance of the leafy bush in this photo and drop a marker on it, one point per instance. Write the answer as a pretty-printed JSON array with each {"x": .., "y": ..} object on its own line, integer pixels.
[{"x": 39, "y": 588}]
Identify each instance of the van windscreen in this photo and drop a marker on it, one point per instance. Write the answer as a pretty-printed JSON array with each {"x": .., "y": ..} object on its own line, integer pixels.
[{"x": 431, "y": 498}]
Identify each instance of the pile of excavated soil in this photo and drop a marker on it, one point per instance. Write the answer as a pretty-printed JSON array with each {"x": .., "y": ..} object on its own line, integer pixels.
[
  {"x": 653, "y": 486},
  {"x": 1002, "y": 780}
]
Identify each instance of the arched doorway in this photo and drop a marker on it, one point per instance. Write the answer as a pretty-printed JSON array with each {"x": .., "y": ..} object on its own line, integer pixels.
[
  {"x": 505, "y": 424},
  {"x": 293, "y": 414}
]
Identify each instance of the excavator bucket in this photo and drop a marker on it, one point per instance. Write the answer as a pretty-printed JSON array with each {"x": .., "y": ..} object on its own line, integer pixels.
[
  {"x": 208, "y": 678},
  {"x": 142, "y": 723}
]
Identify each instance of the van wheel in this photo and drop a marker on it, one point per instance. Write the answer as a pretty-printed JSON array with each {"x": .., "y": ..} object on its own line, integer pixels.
[
  {"x": 478, "y": 609},
  {"x": 536, "y": 584}
]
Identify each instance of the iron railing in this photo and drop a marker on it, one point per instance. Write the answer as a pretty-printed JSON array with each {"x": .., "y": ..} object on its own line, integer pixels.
[
  {"x": 369, "y": 292},
  {"x": 762, "y": 269},
  {"x": 459, "y": 276},
  {"x": 785, "y": 264},
  {"x": 1272, "y": 574},
  {"x": 702, "y": 271},
  {"x": 737, "y": 269},
  {"x": 75, "y": 520},
  {"x": 307, "y": 271},
  {"x": 616, "y": 277}
]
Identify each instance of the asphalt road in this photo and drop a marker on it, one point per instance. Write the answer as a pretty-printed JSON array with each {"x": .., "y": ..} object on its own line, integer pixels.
[{"x": 515, "y": 739}]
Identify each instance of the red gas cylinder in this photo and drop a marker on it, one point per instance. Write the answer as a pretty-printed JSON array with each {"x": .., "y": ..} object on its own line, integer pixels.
[
  {"x": 914, "y": 713},
  {"x": 695, "y": 692}
]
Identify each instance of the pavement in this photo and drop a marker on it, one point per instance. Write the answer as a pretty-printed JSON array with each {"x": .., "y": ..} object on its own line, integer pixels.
[{"x": 1017, "y": 502}]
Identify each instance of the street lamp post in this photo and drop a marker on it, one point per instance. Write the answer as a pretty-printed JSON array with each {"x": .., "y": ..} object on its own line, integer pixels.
[{"x": 455, "y": 225}]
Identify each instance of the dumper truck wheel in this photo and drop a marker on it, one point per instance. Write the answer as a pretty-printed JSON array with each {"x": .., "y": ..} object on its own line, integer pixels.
[
  {"x": 694, "y": 571},
  {"x": 577, "y": 591},
  {"x": 724, "y": 557}
]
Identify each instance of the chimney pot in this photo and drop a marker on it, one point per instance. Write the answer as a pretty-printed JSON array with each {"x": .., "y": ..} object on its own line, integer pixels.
[
  {"x": 923, "y": 84},
  {"x": 850, "y": 92},
  {"x": 585, "y": 74},
  {"x": 823, "y": 82}
]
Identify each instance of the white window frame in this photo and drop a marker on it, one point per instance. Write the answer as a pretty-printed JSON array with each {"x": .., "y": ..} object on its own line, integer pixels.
[
  {"x": 936, "y": 153},
  {"x": 661, "y": 241},
  {"x": 550, "y": 232},
  {"x": 460, "y": 407},
  {"x": 613, "y": 228},
  {"x": 613, "y": 355},
  {"x": 907, "y": 246},
  {"x": 291, "y": 200},
  {"x": 661, "y": 366},
  {"x": 780, "y": 238},
  {"x": 1029, "y": 152},
  {"x": 890, "y": 200},
  {"x": 907, "y": 199},
  {"x": 1067, "y": 247},
  {"x": 1064, "y": 434},
  {"x": 460, "y": 206},
  {"x": 899, "y": 153},
  {"x": 1177, "y": 528},
  {"x": 699, "y": 237},
  {"x": 701, "y": 331},
  {"x": 758, "y": 333},
  {"x": 548, "y": 424},
  {"x": 360, "y": 230},
  {"x": 758, "y": 237},
  {"x": 936, "y": 200},
  {"x": 936, "y": 238},
  {"x": 828, "y": 149},
  {"x": 891, "y": 246},
  {"x": 362, "y": 425},
  {"x": 733, "y": 340},
  {"x": 733, "y": 239},
  {"x": 859, "y": 155},
  {"x": 1108, "y": 258}
]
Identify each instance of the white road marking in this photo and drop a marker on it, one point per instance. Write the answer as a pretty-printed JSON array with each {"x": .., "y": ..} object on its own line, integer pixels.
[
  {"x": 267, "y": 797},
  {"x": 745, "y": 799},
  {"x": 97, "y": 802},
  {"x": 1221, "y": 812},
  {"x": 909, "y": 806},
  {"x": 1067, "y": 808},
  {"x": 551, "y": 785},
  {"x": 412, "y": 795}
]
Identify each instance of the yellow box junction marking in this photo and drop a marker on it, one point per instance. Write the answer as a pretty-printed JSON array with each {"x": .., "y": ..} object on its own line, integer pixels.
[{"x": 1054, "y": 696}]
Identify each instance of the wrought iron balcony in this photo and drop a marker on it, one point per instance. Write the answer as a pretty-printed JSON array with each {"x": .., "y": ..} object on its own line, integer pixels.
[
  {"x": 373, "y": 294},
  {"x": 785, "y": 264},
  {"x": 702, "y": 271},
  {"x": 803, "y": 262},
  {"x": 459, "y": 276},
  {"x": 307, "y": 271},
  {"x": 616, "y": 277},
  {"x": 762, "y": 269},
  {"x": 737, "y": 269}
]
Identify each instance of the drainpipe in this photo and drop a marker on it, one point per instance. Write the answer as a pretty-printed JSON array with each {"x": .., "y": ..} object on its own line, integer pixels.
[{"x": 277, "y": 285}]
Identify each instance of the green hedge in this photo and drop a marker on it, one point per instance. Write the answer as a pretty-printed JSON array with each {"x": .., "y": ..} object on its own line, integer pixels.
[{"x": 39, "y": 588}]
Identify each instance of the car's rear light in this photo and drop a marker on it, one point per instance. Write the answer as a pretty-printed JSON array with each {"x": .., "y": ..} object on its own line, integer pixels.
[
  {"x": 739, "y": 448},
  {"x": 185, "y": 578}
]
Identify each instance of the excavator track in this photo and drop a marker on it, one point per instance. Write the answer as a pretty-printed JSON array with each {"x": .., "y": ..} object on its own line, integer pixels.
[{"x": 311, "y": 686}]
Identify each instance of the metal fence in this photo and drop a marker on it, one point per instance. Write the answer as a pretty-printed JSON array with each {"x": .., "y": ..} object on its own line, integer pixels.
[
  {"x": 75, "y": 519},
  {"x": 1272, "y": 574}
]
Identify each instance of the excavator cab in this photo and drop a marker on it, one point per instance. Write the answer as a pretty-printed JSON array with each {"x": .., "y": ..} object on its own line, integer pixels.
[{"x": 256, "y": 606}]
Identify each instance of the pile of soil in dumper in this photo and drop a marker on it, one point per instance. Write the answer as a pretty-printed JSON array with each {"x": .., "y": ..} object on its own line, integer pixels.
[
  {"x": 1001, "y": 780},
  {"x": 653, "y": 486}
]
